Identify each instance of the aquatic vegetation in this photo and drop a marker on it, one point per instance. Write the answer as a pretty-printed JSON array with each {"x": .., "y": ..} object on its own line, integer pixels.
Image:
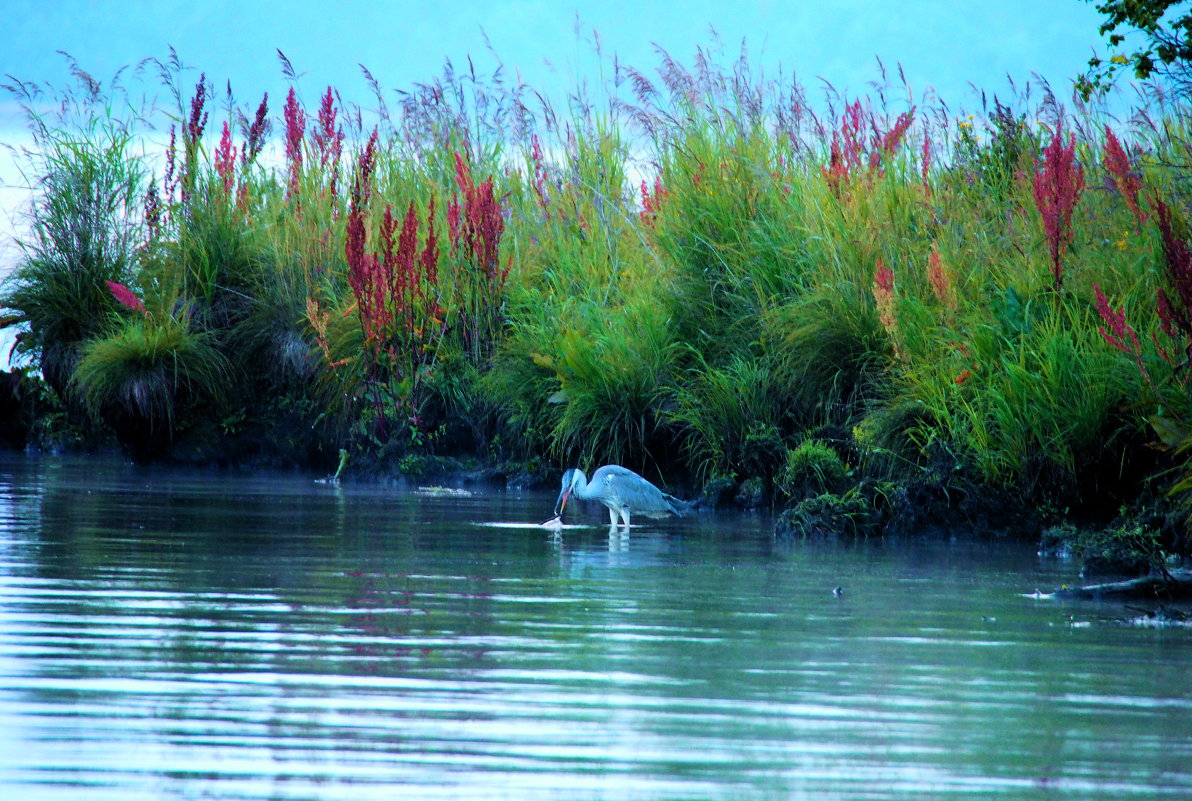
[
  {"x": 690, "y": 270},
  {"x": 857, "y": 513}
]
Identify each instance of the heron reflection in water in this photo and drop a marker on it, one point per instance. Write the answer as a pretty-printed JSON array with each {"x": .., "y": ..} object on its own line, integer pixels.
[{"x": 620, "y": 489}]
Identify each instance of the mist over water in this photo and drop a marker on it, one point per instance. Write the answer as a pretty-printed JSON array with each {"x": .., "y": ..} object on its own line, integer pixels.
[{"x": 182, "y": 634}]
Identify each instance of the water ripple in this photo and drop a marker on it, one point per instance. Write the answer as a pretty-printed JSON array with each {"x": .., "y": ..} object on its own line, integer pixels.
[{"x": 355, "y": 656}]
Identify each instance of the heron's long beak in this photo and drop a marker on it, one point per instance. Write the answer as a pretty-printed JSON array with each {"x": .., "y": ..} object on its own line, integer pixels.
[{"x": 562, "y": 501}]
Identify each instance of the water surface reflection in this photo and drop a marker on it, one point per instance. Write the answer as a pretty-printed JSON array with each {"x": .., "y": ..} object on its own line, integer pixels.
[{"x": 174, "y": 634}]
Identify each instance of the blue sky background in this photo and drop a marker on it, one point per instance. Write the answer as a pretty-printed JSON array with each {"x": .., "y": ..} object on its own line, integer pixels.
[
  {"x": 947, "y": 44},
  {"x": 950, "y": 45}
]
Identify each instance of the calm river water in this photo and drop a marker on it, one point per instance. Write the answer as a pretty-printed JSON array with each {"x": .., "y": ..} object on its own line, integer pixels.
[{"x": 182, "y": 635}]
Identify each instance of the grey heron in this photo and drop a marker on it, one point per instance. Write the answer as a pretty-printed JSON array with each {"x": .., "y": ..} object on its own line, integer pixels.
[{"x": 621, "y": 490}]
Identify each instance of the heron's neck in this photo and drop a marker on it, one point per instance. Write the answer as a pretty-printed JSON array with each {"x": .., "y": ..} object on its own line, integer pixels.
[{"x": 580, "y": 485}]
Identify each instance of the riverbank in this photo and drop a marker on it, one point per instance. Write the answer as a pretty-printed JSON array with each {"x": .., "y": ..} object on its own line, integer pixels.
[
  {"x": 879, "y": 317},
  {"x": 824, "y": 500}
]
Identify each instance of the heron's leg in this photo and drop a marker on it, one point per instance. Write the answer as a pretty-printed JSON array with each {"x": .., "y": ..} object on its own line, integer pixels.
[
  {"x": 612, "y": 516},
  {"x": 617, "y": 539},
  {"x": 625, "y": 516}
]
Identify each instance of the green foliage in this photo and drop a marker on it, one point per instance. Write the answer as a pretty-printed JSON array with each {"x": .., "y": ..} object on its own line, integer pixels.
[
  {"x": 520, "y": 389},
  {"x": 83, "y": 232},
  {"x": 730, "y": 420},
  {"x": 725, "y": 226},
  {"x": 1168, "y": 49},
  {"x": 830, "y": 355},
  {"x": 860, "y": 512},
  {"x": 1128, "y": 547},
  {"x": 457, "y": 408},
  {"x": 217, "y": 257},
  {"x": 147, "y": 368},
  {"x": 993, "y": 167},
  {"x": 811, "y": 469},
  {"x": 612, "y": 370},
  {"x": 1044, "y": 356}
]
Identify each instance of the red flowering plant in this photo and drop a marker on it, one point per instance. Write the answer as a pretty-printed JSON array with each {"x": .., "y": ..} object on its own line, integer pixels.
[
  {"x": 886, "y": 144},
  {"x": 225, "y": 162},
  {"x": 295, "y": 119},
  {"x": 652, "y": 201},
  {"x": 845, "y": 154},
  {"x": 153, "y": 212},
  {"x": 475, "y": 223},
  {"x": 541, "y": 184},
  {"x": 1118, "y": 333},
  {"x": 183, "y": 176},
  {"x": 1175, "y": 313},
  {"x": 255, "y": 133},
  {"x": 1058, "y": 183},
  {"x": 397, "y": 296},
  {"x": 886, "y": 300},
  {"x": 940, "y": 279},
  {"x": 1173, "y": 307},
  {"x": 1125, "y": 180},
  {"x": 850, "y": 152},
  {"x": 327, "y": 141}
]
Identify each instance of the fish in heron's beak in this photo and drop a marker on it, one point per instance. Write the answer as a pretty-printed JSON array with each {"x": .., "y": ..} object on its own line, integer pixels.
[{"x": 562, "y": 501}]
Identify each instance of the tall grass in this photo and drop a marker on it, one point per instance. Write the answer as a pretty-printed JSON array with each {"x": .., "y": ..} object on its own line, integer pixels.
[
  {"x": 688, "y": 269},
  {"x": 84, "y": 222},
  {"x": 148, "y": 368}
]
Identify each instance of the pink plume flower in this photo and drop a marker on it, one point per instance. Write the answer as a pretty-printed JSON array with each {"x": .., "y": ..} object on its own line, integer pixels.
[{"x": 126, "y": 297}]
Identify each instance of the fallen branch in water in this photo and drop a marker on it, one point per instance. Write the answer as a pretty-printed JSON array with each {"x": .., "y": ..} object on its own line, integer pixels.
[{"x": 1169, "y": 586}]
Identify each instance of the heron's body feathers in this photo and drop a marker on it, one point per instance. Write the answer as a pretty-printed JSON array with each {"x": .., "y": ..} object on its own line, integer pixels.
[{"x": 622, "y": 491}]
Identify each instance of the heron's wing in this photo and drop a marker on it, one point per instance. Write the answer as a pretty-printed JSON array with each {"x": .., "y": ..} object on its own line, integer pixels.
[
  {"x": 627, "y": 488},
  {"x": 644, "y": 496},
  {"x": 620, "y": 484},
  {"x": 614, "y": 472}
]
